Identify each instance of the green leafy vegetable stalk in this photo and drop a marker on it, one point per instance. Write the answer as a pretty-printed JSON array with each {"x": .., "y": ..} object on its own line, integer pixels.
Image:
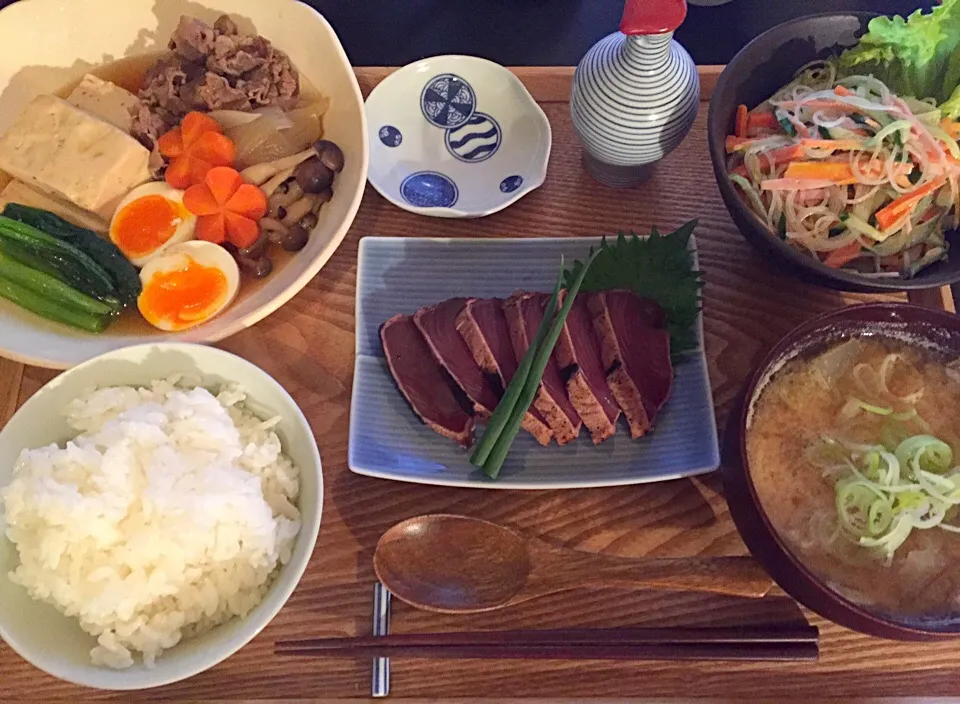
[
  {"x": 918, "y": 56},
  {"x": 659, "y": 267}
]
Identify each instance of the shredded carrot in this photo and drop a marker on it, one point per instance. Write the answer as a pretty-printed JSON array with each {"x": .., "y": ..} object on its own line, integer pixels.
[
  {"x": 738, "y": 144},
  {"x": 951, "y": 127},
  {"x": 741, "y": 124},
  {"x": 795, "y": 184},
  {"x": 931, "y": 213},
  {"x": 819, "y": 104},
  {"x": 838, "y": 173},
  {"x": 844, "y": 255},
  {"x": 227, "y": 209},
  {"x": 193, "y": 148},
  {"x": 843, "y": 145},
  {"x": 843, "y": 91},
  {"x": 892, "y": 212},
  {"x": 762, "y": 121}
]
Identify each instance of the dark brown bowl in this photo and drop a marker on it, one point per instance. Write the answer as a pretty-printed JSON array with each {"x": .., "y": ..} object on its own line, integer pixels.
[
  {"x": 922, "y": 324},
  {"x": 753, "y": 75}
]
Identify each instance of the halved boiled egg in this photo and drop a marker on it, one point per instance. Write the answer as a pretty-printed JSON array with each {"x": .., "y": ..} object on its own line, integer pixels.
[
  {"x": 149, "y": 219},
  {"x": 187, "y": 284}
]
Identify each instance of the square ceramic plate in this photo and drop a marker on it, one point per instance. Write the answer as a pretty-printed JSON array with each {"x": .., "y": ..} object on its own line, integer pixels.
[{"x": 400, "y": 275}]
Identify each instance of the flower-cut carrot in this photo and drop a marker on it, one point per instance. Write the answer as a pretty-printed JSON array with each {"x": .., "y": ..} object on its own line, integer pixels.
[
  {"x": 843, "y": 91},
  {"x": 193, "y": 148},
  {"x": 227, "y": 209},
  {"x": 892, "y": 212},
  {"x": 740, "y": 127}
]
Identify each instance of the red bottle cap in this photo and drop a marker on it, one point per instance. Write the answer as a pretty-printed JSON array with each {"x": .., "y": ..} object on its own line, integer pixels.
[{"x": 652, "y": 16}]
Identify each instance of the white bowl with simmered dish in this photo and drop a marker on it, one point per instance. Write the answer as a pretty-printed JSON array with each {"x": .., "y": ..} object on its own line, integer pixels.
[
  {"x": 842, "y": 468},
  {"x": 83, "y": 106}
]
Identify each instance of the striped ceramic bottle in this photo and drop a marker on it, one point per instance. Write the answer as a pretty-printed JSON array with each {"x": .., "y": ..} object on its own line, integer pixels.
[{"x": 635, "y": 93}]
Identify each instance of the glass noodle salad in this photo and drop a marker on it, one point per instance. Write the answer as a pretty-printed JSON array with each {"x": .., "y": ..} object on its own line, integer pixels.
[
  {"x": 845, "y": 169},
  {"x": 857, "y": 160}
]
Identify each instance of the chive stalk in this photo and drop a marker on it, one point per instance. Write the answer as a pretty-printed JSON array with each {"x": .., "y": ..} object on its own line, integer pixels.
[
  {"x": 508, "y": 403},
  {"x": 508, "y": 432}
]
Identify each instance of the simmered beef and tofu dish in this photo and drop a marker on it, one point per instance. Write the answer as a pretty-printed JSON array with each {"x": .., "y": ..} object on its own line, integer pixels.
[
  {"x": 167, "y": 195},
  {"x": 453, "y": 361}
]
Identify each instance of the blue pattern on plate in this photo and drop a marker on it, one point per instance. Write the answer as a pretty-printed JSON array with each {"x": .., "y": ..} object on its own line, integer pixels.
[
  {"x": 399, "y": 275},
  {"x": 476, "y": 140},
  {"x": 511, "y": 183},
  {"x": 390, "y": 136},
  {"x": 429, "y": 189},
  {"x": 447, "y": 101}
]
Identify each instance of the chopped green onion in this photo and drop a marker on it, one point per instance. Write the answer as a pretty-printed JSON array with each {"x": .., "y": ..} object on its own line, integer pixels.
[
  {"x": 925, "y": 452},
  {"x": 878, "y": 410}
]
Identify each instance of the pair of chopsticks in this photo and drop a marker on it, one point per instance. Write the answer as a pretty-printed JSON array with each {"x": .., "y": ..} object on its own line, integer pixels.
[{"x": 757, "y": 643}]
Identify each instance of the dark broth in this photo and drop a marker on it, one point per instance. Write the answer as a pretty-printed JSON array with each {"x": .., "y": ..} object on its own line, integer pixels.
[{"x": 801, "y": 403}]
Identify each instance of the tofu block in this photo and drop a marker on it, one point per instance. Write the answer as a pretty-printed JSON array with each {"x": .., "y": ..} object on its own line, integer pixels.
[
  {"x": 19, "y": 192},
  {"x": 68, "y": 153},
  {"x": 105, "y": 100}
]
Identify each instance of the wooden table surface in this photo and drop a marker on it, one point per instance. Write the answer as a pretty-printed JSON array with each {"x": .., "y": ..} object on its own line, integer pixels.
[{"x": 308, "y": 346}]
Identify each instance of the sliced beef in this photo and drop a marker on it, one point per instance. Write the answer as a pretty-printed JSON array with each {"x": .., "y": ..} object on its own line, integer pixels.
[
  {"x": 635, "y": 350},
  {"x": 193, "y": 39},
  {"x": 213, "y": 92},
  {"x": 212, "y": 68},
  {"x": 578, "y": 356},
  {"x": 429, "y": 390},
  {"x": 483, "y": 327},
  {"x": 438, "y": 325},
  {"x": 524, "y": 312}
]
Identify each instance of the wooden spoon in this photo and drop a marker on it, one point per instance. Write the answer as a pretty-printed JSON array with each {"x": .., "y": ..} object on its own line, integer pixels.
[{"x": 456, "y": 564}]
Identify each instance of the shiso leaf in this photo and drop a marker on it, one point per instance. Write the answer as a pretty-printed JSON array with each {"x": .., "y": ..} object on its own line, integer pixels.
[{"x": 659, "y": 267}]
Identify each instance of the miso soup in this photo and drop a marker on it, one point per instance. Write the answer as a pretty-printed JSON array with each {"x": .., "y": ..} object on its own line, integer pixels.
[{"x": 854, "y": 456}]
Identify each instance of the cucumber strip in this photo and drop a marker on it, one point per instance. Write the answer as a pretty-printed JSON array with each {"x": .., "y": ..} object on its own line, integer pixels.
[
  {"x": 48, "y": 245},
  {"x": 124, "y": 274},
  {"x": 50, "y": 287},
  {"x": 28, "y": 300}
]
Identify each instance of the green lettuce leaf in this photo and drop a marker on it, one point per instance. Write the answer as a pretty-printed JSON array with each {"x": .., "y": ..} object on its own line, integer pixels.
[
  {"x": 951, "y": 108},
  {"x": 919, "y": 56}
]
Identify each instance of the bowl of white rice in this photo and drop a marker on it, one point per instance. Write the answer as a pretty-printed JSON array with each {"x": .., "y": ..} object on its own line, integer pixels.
[{"x": 158, "y": 506}]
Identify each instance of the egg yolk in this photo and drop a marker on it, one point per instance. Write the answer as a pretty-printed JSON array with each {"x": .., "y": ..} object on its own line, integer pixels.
[
  {"x": 184, "y": 296},
  {"x": 145, "y": 225}
]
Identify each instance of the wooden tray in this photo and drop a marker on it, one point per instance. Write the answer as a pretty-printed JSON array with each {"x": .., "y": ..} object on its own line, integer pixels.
[{"x": 308, "y": 347}]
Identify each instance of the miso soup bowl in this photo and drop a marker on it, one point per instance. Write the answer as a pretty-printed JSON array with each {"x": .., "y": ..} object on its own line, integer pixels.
[{"x": 924, "y": 325}]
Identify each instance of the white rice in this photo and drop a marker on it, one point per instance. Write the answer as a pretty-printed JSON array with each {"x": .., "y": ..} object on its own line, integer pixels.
[{"x": 168, "y": 514}]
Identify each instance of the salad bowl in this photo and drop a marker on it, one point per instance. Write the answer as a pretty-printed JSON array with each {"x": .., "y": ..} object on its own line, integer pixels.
[
  {"x": 455, "y": 137},
  {"x": 51, "y": 44},
  {"x": 761, "y": 68}
]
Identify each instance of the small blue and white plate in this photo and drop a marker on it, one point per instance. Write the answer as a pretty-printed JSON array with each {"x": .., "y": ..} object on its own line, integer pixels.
[
  {"x": 400, "y": 275},
  {"x": 455, "y": 137}
]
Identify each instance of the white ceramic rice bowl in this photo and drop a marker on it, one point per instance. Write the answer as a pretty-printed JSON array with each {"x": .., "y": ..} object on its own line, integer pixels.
[
  {"x": 55, "y": 643},
  {"x": 48, "y": 44}
]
